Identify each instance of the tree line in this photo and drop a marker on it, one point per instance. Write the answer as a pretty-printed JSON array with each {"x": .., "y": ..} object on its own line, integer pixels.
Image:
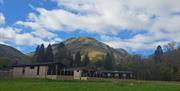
[
  {"x": 106, "y": 63},
  {"x": 44, "y": 55},
  {"x": 162, "y": 65}
]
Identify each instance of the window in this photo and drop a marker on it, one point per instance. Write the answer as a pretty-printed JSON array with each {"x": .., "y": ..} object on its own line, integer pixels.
[
  {"x": 31, "y": 67},
  {"x": 51, "y": 70}
]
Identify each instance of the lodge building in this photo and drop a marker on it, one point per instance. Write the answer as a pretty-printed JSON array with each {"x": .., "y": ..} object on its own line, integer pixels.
[{"x": 57, "y": 70}]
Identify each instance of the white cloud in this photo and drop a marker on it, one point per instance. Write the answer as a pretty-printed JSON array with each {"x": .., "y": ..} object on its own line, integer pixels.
[
  {"x": 2, "y": 18},
  {"x": 145, "y": 41},
  {"x": 38, "y": 31},
  {"x": 13, "y": 35},
  {"x": 100, "y": 16},
  {"x": 111, "y": 17}
]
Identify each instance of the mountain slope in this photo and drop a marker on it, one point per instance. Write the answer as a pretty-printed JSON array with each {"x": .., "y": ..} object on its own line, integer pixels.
[
  {"x": 95, "y": 49},
  {"x": 13, "y": 54}
]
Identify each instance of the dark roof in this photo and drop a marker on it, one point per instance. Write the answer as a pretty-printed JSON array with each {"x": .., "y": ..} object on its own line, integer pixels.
[
  {"x": 102, "y": 71},
  {"x": 38, "y": 64},
  {"x": 116, "y": 71},
  {"x": 82, "y": 68}
]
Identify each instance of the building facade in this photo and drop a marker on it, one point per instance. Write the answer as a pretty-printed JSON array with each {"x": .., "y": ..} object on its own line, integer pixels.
[{"x": 61, "y": 72}]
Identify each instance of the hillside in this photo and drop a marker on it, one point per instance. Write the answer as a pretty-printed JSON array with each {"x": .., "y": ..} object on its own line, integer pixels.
[
  {"x": 13, "y": 54},
  {"x": 94, "y": 48}
]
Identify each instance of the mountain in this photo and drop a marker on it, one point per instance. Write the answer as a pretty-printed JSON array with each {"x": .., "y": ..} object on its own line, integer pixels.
[
  {"x": 95, "y": 49},
  {"x": 123, "y": 51},
  {"x": 13, "y": 54}
]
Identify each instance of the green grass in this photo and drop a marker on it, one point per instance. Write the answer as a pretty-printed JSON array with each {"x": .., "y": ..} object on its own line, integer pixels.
[{"x": 57, "y": 85}]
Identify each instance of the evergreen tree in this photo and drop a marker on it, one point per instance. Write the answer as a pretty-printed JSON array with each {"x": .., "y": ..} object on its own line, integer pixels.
[
  {"x": 49, "y": 57},
  {"x": 86, "y": 61},
  {"x": 108, "y": 63},
  {"x": 77, "y": 60},
  {"x": 41, "y": 54},
  {"x": 36, "y": 55},
  {"x": 61, "y": 45},
  {"x": 158, "y": 54},
  {"x": 61, "y": 51},
  {"x": 63, "y": 55}
]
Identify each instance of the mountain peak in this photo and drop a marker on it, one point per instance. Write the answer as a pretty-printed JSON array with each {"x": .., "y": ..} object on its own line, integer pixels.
[
  {"x": 95, "y": 49},
  {"x": 80, "y": 39}
]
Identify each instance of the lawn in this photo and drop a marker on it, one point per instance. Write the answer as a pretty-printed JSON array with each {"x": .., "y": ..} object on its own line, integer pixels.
[{"x": 57, "y": 85}]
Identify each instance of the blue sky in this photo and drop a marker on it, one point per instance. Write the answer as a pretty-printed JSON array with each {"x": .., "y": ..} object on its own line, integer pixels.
[{"x": 135, "y": 25}]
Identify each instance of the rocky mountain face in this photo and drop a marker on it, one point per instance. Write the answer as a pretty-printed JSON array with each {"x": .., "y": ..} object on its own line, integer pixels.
[
  {"x": 13, "y": 54},
  {"x": 95, "y": 49}
]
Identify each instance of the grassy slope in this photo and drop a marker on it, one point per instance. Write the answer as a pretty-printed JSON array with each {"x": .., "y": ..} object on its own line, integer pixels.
[{"x": 54, "y": 85}]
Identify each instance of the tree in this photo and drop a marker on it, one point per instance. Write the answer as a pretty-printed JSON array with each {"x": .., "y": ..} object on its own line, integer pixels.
[
  {"x": 86, "y": 61},
  {"x": 41, "y": 54},
  {"x": 49, "y": 56},
  {"x": 158, "y": 54},
  {"x": 63, "y": 55},
  {"x": 170, "y": 46},
  {"x": 36, "y": 55},
  {"x": 61, "y": 52},
  {"x": 77, "y": 60},
  {"x": 5, "y": 62},
  {"x": 108, "y": 63},
  {"x": 147, "y": 68},
  {"x": 99, "y": 64}
]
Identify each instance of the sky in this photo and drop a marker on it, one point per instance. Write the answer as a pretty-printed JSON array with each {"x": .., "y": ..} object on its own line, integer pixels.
[{"x": 137, "y": 26}]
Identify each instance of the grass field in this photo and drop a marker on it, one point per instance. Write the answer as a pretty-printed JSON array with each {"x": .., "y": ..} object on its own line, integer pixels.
[{"x": 56, "y": 85}]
